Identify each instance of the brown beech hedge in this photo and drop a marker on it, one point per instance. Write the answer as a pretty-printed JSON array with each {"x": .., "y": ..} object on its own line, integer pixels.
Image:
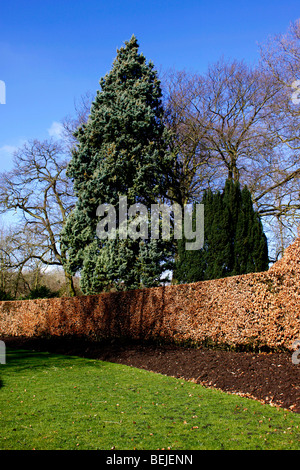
[{"x": 251, "y": 311}]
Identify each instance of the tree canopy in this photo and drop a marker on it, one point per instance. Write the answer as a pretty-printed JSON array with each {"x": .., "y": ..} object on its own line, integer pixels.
[{"x": 121, "y": 151}]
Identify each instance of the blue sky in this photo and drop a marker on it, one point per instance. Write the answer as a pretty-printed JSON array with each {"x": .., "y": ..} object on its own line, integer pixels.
[{"x": 52, "y": 52}]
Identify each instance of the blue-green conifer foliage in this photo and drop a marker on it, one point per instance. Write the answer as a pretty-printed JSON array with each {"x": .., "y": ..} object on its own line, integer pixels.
[{"x": 121, "y": 151}]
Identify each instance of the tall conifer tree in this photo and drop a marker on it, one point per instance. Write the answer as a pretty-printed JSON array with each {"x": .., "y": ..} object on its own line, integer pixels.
[
  {"x": 234, "y": 240},
  {"x": 122, "y": 151}
]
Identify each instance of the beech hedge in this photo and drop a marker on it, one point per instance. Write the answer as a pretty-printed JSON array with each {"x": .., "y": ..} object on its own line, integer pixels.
[{"x": 256, "y": 311}]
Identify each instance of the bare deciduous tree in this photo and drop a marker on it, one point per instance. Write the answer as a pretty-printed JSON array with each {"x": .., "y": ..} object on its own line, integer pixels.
[
  {"x": 280, "y": 58},
  {"x": 192, "y": 171},
  {"x": 72, "y": 123},
  {"x": 237, "y": 121},
  {"x": 40, "y": 193}
]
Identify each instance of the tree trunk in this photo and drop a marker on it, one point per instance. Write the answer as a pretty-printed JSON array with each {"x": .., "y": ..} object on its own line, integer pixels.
[{"x": 70, "y": 285}]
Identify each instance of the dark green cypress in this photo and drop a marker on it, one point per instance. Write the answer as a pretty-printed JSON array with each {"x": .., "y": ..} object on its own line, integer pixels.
[
  {"x": 234, "y": 240},
  {"x": 250, "y": 242},
  {"x": 122, "y": 151}
]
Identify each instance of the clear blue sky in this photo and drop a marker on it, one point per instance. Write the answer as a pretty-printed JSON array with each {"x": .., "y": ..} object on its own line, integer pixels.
[{"x": 54, "y": 51}]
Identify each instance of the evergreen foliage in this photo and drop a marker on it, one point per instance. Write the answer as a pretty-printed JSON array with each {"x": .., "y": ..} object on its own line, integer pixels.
[
  {"x": 234, "y": 240},
  {"x": 5, "y": 295},
  {"x": 121, "y": 151},
  {"x": 42, "y": 292}
]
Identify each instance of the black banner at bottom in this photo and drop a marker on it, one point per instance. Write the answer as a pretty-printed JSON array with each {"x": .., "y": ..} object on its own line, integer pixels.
[{"x": 131, "y": 459}]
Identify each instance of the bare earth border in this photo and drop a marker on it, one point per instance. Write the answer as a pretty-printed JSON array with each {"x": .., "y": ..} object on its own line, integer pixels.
[{"x": 268, "y": 377}]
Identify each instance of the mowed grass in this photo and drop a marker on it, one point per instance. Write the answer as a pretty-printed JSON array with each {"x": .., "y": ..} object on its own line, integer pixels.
[{"x": 50, "y": 401}]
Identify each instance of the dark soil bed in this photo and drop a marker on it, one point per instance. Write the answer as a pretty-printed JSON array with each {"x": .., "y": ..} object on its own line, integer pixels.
[{"x": 268, "y": 377}]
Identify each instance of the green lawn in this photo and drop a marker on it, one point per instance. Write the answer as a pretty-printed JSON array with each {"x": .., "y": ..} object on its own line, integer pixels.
[{"x": 50, "y": 401}]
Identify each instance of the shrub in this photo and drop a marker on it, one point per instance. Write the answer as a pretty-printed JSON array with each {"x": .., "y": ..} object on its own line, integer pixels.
[
  {"x": 42, "y": 292},
  {"x": 5, "y": 295}
]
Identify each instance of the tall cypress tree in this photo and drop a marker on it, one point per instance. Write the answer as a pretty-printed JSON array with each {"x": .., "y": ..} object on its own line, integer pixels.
[
  {"x": 250, "y": 248},
  {"x": 234, "y": 240},
  {"x": 122, "y": 151}
]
